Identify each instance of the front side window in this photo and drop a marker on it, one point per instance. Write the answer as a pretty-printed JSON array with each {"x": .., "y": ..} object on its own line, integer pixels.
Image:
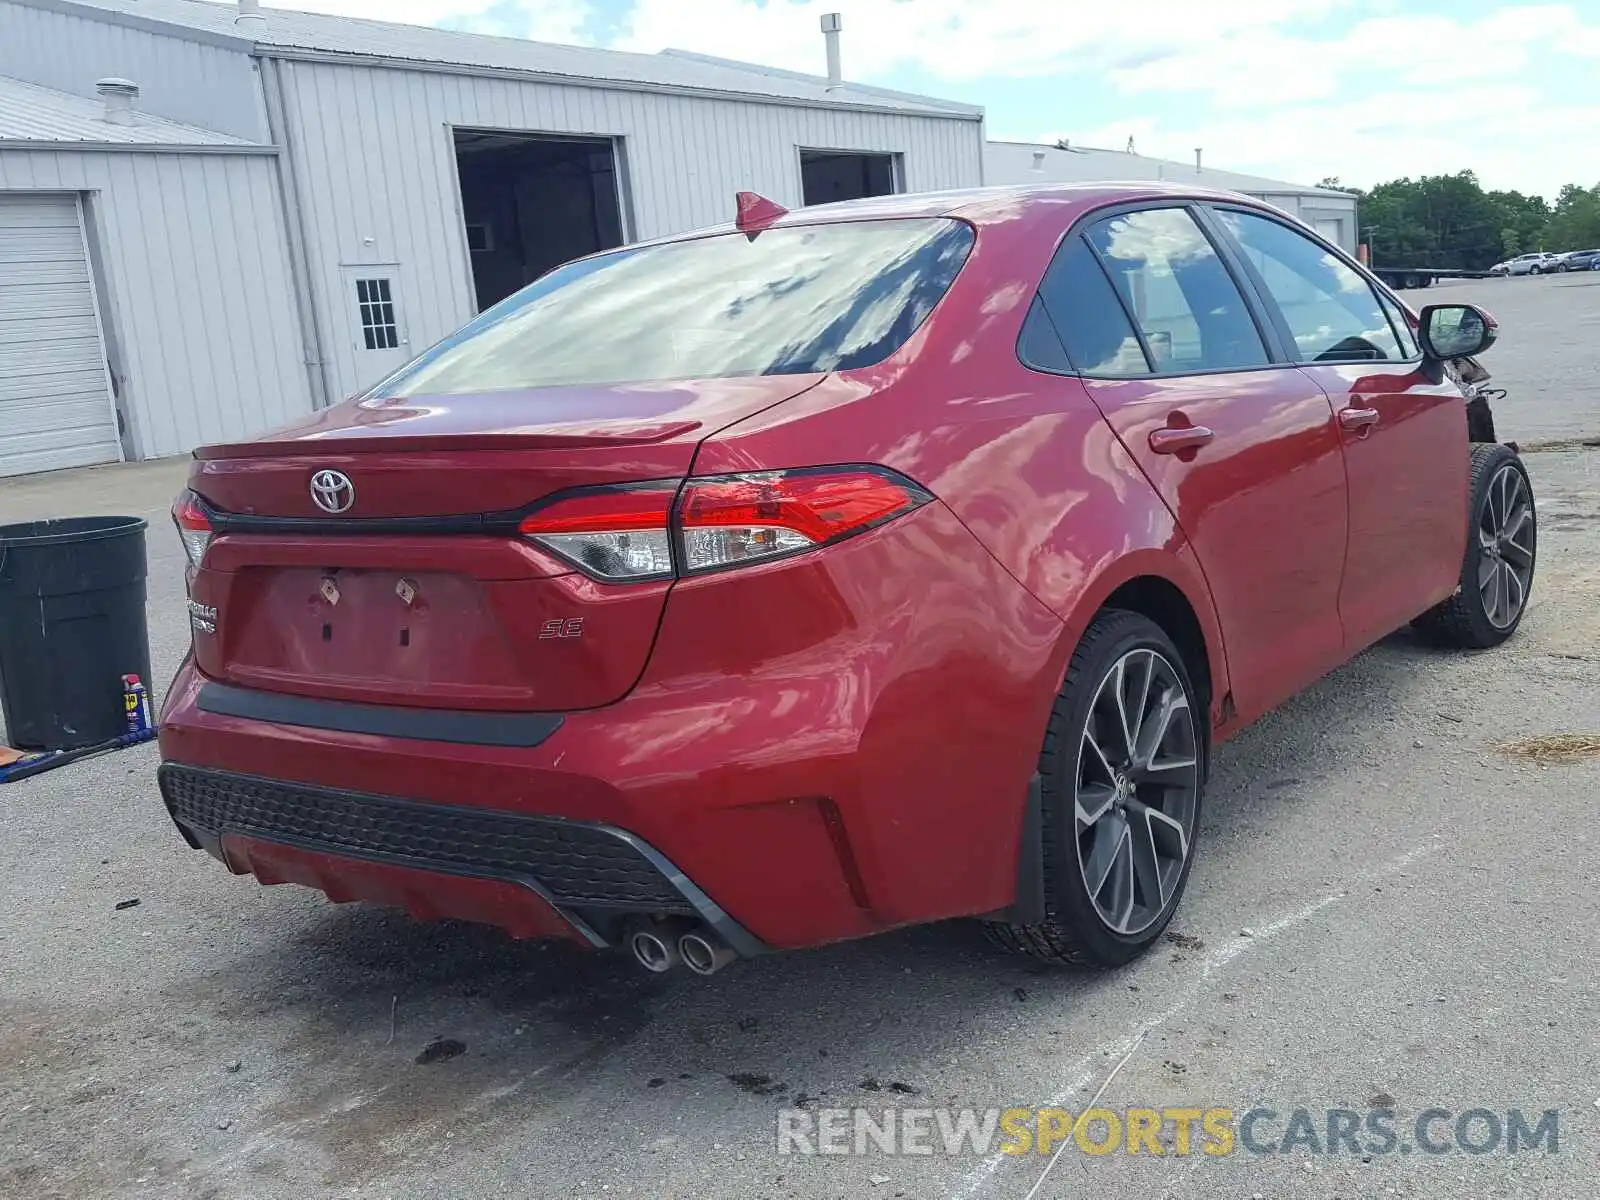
[
  {"x": 1402, "y": 326},
  {"x": 1178, "y": 291},
  {"x": 1332, "y": 313},
  {"x": 786, "y": 301}
]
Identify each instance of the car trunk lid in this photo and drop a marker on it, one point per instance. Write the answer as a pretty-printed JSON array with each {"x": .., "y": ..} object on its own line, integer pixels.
[{"x": 420, "y": 592}]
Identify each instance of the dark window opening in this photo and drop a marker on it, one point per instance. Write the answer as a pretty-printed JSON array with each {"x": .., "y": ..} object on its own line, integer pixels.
[
  {"x": 380, "y": 330},
  {"x": 531, "y": 203},
  {"x": 829, "y": 175}
]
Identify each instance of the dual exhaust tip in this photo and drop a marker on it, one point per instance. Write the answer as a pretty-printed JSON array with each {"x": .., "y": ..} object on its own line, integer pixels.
[{"x": 666, "y": 945}]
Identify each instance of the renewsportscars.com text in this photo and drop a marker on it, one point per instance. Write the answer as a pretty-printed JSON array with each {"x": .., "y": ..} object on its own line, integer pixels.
[{"x": 1178, "y": 1132}]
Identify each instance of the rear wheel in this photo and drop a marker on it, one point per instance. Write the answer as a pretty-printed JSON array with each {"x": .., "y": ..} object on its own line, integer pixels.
[
  {"x": 1497, "y": 569},
  {"x": 1122, "y": 774}
]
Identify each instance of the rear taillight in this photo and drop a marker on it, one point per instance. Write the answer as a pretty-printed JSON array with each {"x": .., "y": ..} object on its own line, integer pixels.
[
  {"x": 735, "y": 519},
  {"x": 638, "y": 532},
  {"x": 619, "y": 533},
  {"x": 193, "y": 527}
]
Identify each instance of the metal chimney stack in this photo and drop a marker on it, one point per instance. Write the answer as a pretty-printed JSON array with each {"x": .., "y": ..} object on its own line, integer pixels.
[
  {"x": 831, "y": 24},
  {"x": 119, "y": 95},
  {"x": 250, "y": 20},
  {"x": 1197, "y": 167}
]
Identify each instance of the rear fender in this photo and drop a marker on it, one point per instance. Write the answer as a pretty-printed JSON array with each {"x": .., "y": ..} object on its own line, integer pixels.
[{"x": 1179, "y": 567}]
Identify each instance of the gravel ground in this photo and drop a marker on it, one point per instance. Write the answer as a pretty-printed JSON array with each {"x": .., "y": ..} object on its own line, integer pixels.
[
  {"x": 1549, "y": 327},
  {"x": 1386, "y": 907}
]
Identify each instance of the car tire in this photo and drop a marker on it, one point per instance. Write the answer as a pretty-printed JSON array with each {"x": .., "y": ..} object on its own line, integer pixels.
[
  {"x": 1497, "y": 568},
  {"x": 1535, "y": 271},
  {"x": 1143, "y": 801}
]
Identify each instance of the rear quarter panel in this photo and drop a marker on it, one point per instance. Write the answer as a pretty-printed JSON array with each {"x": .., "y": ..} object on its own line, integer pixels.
[
  {"x": 1023, "y": 458},
  {"x": 1029, "y": 468}
]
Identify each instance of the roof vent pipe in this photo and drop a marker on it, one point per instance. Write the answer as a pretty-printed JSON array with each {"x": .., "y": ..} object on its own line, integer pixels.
[
  {"x": 250, "y": 20},
  {"x": 119, "y": 95},
  {"x": 1038, "y": 160},
  {"x": 831, "y": 24},
  {"x": 1197, "y": 166}
]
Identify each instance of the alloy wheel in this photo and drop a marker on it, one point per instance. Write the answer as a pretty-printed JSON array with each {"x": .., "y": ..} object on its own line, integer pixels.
[
  {"x": 1138, "y": 783},
  {"x": 1505, "y": 539}
]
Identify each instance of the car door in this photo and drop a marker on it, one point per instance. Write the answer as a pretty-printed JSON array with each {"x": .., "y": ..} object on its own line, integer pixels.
[
  {"x": 1403, "y": 426},
  {"x": 1242, "y": 450}
]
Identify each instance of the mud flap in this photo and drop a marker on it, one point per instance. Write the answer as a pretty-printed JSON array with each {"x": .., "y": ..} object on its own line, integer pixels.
[{"x": 1029, "y": 906}]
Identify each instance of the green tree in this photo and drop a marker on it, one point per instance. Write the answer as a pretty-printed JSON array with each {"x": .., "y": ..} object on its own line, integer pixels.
[
  {"x": 1331, "y": 182},
  {"x": 1450, "y": 221},
  {"x": 1527, "y": 216},
  {"x": 1575, "y": 222}
]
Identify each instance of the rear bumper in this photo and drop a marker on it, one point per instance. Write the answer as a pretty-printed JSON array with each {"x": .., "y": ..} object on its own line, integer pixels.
[
  {"x": 818, "y": 749},
  {"x": 534, "y": 876}
]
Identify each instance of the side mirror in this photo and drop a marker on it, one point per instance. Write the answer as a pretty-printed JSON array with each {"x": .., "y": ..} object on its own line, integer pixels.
[{"x": 1449, "y": 331}]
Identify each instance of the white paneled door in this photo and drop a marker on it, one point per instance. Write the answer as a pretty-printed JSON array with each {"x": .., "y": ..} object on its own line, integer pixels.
[{"x": 55, "y": 393}]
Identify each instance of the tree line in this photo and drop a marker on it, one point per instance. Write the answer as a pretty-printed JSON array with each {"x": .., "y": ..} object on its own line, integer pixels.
[{"x": 1451, "y": 221}]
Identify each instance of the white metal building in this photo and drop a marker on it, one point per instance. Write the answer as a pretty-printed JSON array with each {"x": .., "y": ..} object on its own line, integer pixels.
[
  {"x": 1330, "y": 213},
  {"x": 128, "y": 254},
  {"x": 292, "y": 203}
]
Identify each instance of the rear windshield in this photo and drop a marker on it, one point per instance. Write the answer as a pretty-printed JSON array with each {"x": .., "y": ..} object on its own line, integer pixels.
[{"x": 783, "y": 302}]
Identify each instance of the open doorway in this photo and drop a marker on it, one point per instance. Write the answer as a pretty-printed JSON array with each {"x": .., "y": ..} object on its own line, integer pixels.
[
  {"x": 532, "y": 202},
  {"x": 829, "y": 175}
]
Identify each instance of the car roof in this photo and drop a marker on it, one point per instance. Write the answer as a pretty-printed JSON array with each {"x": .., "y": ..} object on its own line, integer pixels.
[{"x": 984, "y": 205}]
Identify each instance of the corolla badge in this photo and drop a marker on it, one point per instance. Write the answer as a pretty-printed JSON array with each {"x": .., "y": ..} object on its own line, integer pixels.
[{"x": 332, "y": 491}]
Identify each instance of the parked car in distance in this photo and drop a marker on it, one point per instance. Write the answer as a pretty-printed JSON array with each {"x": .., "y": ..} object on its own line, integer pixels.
[
  {"x": 1524, "y": 264},
  {"x": 1579, "y": 260},
  {"x": 837, "y": 570}
]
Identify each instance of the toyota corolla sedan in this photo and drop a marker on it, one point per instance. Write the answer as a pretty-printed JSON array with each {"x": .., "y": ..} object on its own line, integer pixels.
[{"x": 832, "y": 571}]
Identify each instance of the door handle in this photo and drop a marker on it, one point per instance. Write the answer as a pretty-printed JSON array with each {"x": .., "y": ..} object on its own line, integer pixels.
[
  {"x": 1358, "y": 419},
  {"x": 1175, "y": 440}
]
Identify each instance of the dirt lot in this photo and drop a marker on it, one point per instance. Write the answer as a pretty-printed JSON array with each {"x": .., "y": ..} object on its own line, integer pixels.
[{"x": 1386, "y": 907}]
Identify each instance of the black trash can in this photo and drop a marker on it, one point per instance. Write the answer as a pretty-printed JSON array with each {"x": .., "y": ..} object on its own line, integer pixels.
[{"x": 72, "y": 623}]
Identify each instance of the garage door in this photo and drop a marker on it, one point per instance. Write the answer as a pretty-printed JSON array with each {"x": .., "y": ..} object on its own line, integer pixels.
[{"x": 55, "y": 405}]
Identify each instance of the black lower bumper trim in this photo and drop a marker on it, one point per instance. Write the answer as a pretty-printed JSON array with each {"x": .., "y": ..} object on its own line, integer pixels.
[
  {"x": 421, "y": 724},
  {"x": 579, "y": 864}
]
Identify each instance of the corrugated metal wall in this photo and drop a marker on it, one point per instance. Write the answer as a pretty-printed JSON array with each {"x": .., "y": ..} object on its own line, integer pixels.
[
  {"x": 377, "y": 170},
  {"x": 200, "y": 84},
  {"x": 196, "y": 281}
]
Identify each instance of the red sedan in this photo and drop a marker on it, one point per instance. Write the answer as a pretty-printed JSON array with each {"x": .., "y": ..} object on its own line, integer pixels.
[{"x": 837, "y": 570}]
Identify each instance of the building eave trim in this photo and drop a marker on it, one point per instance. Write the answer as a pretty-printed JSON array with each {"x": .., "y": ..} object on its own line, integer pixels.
[
  {"x": 385, "y": 62},
  {"x": 9, "y": 144}
]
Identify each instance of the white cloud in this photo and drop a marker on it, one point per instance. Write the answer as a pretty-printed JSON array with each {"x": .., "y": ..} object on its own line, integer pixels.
[
  {"x": 955, "y": 39},
  {"x": 539, "y": 20},
  {"x": 1501, "y": 131},
  {"x": 1253, "y": 67}
]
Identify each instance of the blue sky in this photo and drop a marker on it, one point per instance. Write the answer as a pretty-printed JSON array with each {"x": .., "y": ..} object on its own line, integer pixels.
[{"x": 1365, "y": 90}]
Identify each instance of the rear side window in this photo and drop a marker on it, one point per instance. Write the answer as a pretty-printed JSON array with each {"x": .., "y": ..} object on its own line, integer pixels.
[
  {"x": 786, "y": 301},
  {"x": 1088, "y": 317},
  {"x": 1178, "y": 291},
  {"x": 1332, "y": 312}
]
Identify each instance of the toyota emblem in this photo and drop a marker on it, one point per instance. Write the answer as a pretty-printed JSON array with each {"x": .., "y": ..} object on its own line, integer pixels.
[{"x": 332, "y": 491}]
